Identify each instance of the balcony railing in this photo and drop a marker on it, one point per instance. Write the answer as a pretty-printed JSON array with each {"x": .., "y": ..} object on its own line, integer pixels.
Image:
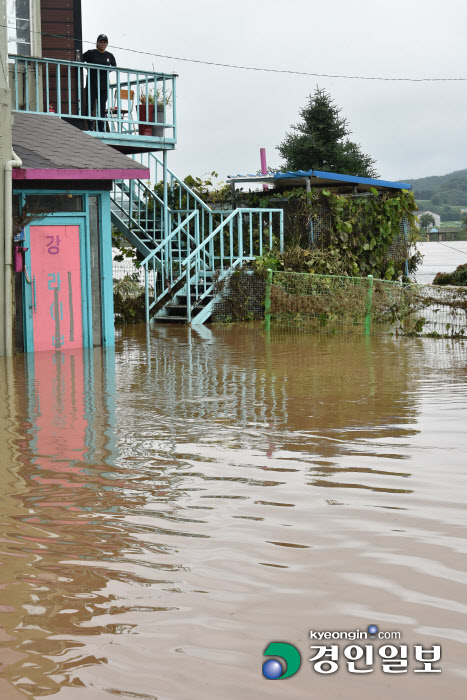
[{"x": 121, "y": 106}]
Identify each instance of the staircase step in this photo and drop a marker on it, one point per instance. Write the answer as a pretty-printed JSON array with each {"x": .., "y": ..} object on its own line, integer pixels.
[
  {"x": 164, "y": 319},
  {"x": 142, "y": 226}
]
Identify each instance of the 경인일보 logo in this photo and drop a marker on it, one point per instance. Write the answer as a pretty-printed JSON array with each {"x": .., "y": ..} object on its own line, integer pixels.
[
  {"x": 350, "y": 649},
  {"x": 288, "y": 666}
]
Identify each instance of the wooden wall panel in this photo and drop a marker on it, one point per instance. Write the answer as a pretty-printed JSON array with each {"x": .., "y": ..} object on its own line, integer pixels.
[
  {"x": 62, "y": 18},
  {"x": 58, "y": 4},
  {"x": 62, "y": 40}
]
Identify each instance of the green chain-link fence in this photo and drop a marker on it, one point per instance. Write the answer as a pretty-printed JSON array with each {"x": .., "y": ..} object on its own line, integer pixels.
[{"x": 322, "y": 303}]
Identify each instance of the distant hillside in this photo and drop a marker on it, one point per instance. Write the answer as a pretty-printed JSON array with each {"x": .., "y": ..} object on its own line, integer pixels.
[
  {"x": 448, "y": 189},
  {"x": 442, "y": 194}
]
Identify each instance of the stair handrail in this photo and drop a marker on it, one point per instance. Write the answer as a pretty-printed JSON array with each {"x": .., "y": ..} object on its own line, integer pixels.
[
  {"x": 190, "y": 261},
  {"x": 153, "y": 194},
  {"x": 183, "y": 184},
  {"x": 235, "y": 212},
  {"x": 209, "y": 238},
  {"x": 199, "y": 264},
  {"x": 163, "y": 243},
  {"x": 134, "y": 221}
]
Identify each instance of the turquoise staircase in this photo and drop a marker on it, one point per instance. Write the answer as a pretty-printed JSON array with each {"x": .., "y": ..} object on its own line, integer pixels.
[{"x": 187, "y": 246}]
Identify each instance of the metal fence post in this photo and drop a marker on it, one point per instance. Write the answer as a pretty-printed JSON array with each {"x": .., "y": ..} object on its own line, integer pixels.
[
  {"x": 281, "y": 236},
  {"x": 240, "y": 235},
  {"x": 267, "y": 301},
  {"x": 369, "y": 303},
  {"x": 165, "y": 219},
  {"x": 146, "y": 292}
]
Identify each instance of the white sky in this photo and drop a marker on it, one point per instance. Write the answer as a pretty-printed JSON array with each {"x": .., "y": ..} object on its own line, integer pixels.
[{"x": 225, "y": 116}]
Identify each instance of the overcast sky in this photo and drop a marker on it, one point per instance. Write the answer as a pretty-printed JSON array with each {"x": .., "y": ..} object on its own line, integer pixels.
[{"x": 225, "y": 115}]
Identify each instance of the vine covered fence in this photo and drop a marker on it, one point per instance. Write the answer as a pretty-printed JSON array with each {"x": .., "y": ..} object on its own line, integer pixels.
[
  {"x": 304, "y": 302},
  {"x": 332, "y": 304}
]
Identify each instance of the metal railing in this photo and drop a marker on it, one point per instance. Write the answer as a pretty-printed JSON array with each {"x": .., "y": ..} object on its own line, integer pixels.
[
  {"x": 183, "y": 200},
  {"x": 114, "y": 101},
  {"x": 181, "y": 197},
  {"x": 196, "y": 240},
  {"x": 188, "y": 263},
  {"x": 139, "y": 209}
]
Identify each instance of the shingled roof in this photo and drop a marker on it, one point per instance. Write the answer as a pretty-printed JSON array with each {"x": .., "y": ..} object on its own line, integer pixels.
[{"x": 50, "y": 148}]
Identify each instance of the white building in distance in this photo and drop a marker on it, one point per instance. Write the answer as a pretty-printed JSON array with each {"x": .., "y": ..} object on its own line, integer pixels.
[{"x": 436, "y": 217}]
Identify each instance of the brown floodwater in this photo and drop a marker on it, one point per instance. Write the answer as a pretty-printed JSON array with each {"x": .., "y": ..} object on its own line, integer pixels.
[{"x": 172, "y": 506}]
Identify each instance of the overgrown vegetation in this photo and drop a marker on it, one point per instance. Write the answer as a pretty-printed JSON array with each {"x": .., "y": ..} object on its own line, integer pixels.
[
  {"x": 458, "y": 278},
  {"x": 212, "y": 191},
  {"x": 298, "y": 259},
  {"x": 353, "y": 235},
  {"x": 241, "y": 296},
  {"x": 338, "y": 304},
  {"x": 129, "y": 301},
  {"x": 126, "y": 251},
  {"x": 325, "y": 234}
]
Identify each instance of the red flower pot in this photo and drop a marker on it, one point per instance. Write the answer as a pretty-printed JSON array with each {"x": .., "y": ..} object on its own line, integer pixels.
[{"x": 146, "y": 114}]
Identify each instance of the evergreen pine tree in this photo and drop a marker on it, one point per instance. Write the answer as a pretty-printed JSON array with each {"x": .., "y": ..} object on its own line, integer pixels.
[{"x": 320, "y": 141}]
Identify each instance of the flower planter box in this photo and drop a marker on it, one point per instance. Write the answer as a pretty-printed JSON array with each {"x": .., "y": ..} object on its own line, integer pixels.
[
  {"x": 159, "y": 130},
  {"x": 146, "y": 113}
]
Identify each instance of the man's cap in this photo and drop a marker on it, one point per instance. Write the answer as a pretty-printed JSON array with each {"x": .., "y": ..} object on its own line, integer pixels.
[{"x": 102, "y": 37}]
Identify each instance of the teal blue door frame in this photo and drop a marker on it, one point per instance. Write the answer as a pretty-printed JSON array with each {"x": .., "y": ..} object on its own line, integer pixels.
[
  {"x": 107, "y": 288},
  {"x": 80, "y": 219},
  {"x": 29, "y": 289}
]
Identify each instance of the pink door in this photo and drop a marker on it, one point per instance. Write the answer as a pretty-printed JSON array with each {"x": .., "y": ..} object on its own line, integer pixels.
[{"x": 56, "y": 279}]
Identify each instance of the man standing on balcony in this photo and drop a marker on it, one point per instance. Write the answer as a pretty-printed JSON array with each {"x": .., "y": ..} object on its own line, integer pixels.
[{"x": 97, "y": 87}]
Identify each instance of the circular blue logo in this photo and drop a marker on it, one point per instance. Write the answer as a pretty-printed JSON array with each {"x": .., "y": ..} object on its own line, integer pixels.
[
  {"x": 272, "y": 669},
  {"x": 372, "y": 629}
]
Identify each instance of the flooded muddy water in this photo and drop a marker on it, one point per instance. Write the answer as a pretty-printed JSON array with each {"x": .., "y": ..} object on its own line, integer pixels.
[{"x": 171, "y": 507}]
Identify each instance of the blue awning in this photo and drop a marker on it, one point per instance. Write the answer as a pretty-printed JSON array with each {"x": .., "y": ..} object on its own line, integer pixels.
[{"x": 319, "y": 178}]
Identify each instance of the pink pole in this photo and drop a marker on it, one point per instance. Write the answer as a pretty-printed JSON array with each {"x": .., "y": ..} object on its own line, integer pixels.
[
  {"x": 18, "y": 259},
  {"x": 264, "y": 167}
]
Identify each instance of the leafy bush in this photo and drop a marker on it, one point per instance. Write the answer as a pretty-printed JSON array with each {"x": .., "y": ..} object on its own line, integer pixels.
[
  {"x": 129, "y": 300},
  {"x": 363, "y": 233},
  {"x": 298, "y": 259},
  {"x": 458, "y": 278}
]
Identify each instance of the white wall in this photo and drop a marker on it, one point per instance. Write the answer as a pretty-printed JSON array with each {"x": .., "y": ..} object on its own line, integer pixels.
[{"x": 436, "y": 217}]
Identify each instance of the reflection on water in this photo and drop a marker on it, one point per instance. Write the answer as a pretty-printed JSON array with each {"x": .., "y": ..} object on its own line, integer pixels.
[{"x": 170, "y": 507}]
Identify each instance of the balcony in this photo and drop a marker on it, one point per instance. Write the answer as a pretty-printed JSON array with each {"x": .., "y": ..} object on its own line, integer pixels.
[{"x": 135, "y": 111}]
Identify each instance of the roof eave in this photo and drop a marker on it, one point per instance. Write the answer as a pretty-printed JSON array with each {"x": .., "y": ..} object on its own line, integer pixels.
[{"x": 80, "y": 174}]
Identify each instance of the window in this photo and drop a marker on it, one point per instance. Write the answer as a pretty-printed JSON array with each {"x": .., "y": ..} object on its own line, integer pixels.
[
  {"x": 19, "y": 27},
  {"x": 16, "y": 206},
  {"x": 54, "y": 203}
]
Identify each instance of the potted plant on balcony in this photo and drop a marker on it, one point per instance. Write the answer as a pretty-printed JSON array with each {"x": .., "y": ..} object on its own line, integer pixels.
[
  {"x": 147, "y": 108},
  {"x": 146, "y": 111}
]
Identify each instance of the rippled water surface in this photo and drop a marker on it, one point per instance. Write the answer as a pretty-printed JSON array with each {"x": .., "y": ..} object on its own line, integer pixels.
[{"x": 171, "y": 507}]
